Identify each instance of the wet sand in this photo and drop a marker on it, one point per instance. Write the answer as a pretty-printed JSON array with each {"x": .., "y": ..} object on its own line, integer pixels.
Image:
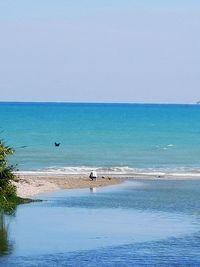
[{"x": 30, "y": 185}]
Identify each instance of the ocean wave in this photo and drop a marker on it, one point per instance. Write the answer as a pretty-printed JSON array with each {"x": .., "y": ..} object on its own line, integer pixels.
[
  {"x": 165, "y": 147},
  {"x": 118, "y": 170}
]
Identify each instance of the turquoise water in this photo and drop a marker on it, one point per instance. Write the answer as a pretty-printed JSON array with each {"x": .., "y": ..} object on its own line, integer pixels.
[
  {"x": 139, "y": 223},
  {"x": 115, "y": 137}
]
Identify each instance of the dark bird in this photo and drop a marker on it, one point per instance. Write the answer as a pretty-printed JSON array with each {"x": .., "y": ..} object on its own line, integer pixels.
[{"x": 57, "y": 144}]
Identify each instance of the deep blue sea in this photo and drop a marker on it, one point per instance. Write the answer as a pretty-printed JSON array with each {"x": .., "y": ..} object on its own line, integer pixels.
[{"x": 113, "y": 137}]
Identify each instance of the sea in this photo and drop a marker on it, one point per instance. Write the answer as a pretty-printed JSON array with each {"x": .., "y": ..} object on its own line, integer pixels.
[
  {"x": 137, "y": 223},
  {"x": 111, "y": 138}
]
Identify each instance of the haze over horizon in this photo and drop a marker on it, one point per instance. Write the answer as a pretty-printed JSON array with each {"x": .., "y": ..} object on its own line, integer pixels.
[
  {"x": 108, "y": 51},
  {"x": 96, "y": 102}
]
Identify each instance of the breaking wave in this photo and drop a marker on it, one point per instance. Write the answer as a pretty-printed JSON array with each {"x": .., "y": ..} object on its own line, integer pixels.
[{"x": 123, "y": 171}]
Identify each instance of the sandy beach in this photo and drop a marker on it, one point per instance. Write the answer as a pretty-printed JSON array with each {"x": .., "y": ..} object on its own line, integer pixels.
[{"x": 30, "y": 185}]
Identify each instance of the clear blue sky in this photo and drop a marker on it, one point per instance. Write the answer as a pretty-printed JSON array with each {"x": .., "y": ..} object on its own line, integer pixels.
[{"x": 100, "y": 51}]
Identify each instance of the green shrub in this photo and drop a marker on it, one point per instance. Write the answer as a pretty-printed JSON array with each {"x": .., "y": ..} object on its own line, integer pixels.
[
  {"x": 8, "y": 195},
  {"x": 10, "y": 191}
]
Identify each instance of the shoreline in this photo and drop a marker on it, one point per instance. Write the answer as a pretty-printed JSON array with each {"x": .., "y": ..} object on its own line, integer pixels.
[
  {"x": 113, "y": 174},
  {"x": 30, "y": 184}
]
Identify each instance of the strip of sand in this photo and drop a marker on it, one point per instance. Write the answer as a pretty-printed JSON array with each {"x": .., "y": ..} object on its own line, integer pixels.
[{"x": 31, "y": 185}]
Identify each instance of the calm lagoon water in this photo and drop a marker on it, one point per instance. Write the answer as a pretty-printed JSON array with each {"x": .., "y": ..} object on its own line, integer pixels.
[{"x": 152, "y": 223}]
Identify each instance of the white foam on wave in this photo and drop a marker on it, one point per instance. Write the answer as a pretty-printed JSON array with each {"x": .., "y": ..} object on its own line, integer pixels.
[
  {"x": 166, "y": 147},
  {"x": 170, "y": 145},
  {"x": 118, "y": 170}
]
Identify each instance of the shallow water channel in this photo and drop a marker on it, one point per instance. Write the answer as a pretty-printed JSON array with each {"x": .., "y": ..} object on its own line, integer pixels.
[{"x": 143, "y": 222}]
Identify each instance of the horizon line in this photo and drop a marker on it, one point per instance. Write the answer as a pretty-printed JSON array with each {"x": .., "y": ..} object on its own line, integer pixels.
[{"x": 84, "y": 102}]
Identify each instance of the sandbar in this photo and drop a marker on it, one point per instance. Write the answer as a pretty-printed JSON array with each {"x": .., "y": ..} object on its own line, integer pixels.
[{"x": 30, "y": 185}]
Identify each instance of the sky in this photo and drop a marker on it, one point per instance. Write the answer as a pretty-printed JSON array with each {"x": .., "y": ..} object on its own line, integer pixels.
[{"x": 100, "y": 51}]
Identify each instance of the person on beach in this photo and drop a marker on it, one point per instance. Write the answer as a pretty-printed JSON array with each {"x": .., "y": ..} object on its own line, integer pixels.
[{"x": 93, "y": 175}]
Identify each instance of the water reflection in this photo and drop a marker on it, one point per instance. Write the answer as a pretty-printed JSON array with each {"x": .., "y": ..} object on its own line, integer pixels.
[
  {"x": 6, "y": 246},
  {"x": 93, "y": 190}
]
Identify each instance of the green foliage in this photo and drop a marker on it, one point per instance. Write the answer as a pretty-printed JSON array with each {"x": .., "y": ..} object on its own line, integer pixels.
[
  {"x": 8, "y": 205},
  {"x": 6, "y": 175},
  {"x": 4, "y": 152},
  {"x": 6, "y": 171},
  {"x": 10, "y": 191},
  {"x": 8, "y": 196}
]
